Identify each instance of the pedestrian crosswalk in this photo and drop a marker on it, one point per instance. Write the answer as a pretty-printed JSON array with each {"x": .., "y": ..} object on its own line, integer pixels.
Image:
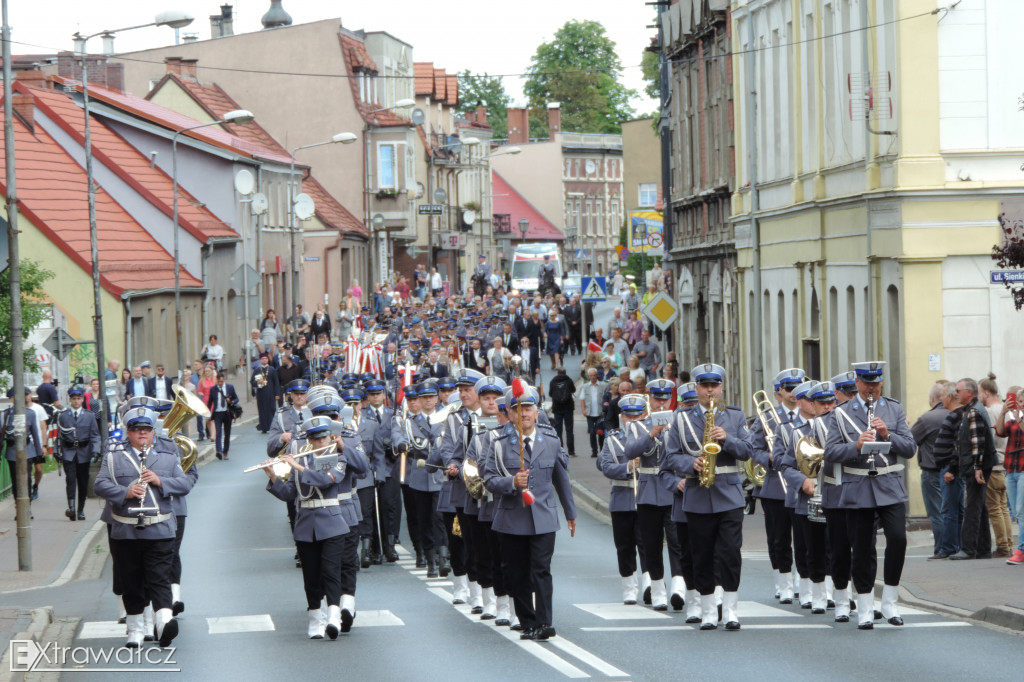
[{"x": 228, "y": 625}]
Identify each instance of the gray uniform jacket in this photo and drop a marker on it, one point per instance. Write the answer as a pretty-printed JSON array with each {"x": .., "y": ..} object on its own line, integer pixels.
[
  {"x": 796, "y": 498},
  {"x": 454, "y": 442},
  {"x": 119, "y": 470},
  {"x": 549, "y": 476},
  {"x": 483, "y": 449},
  {"x": 684, "y": 446},
  {"x": 178, "y": 501},
  {"x": 378, "y": 455},
  {"x": 316, "y": 518},
  {"x": 650, "y": 489},
  {"x": 286, "y": 420},
  {"x": 612, "y": 462},
  {"x": 368, "y": 426},
  {"x": 357, "y": 466},
  {"x": 860, "y": 491},
  {"x": 772, "y": 488},
  {"x": 79, "y": 437},
  {"x": 415, "y": 477},
  {"x": 33, "y": 439}
]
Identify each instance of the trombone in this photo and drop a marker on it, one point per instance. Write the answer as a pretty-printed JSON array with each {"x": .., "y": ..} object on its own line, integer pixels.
[{"x": 769, "y": 419}]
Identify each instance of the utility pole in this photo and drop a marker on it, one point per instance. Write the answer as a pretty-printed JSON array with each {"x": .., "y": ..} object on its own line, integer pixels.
[{"x": 23, "y": 512}]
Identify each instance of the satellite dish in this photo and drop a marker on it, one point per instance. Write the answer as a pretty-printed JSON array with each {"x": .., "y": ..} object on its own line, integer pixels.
[
  {"x": 304, "y": 207},
  {"x": 440, "y": 196},
  {"x": 418, "y": 117},
  {"x": 245, "y": 182},
  {"x": 377, "y": 221},
  {"x": 420, "y": 190},
  {"x": 469, "y": 216},
  {"x": 259, "y": 203}
]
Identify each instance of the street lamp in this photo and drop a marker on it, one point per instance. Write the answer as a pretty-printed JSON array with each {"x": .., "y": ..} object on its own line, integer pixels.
[
  {"x": 239, "y": 116},
  {"x": 524, "y": 226},
  {"x": 173, "y": 19},
  {"x": 340, "y": 138}
]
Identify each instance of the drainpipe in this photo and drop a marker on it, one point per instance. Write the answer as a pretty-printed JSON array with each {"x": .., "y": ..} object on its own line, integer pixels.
[
  {"x": 756, "y": 358},
  {"x": 205, "y": 257},
  {"x": 127, "y": 329},
  {"x": 259, "y": 244}
]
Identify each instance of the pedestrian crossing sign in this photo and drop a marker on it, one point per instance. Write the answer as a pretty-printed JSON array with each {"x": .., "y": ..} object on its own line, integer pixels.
[{"x": 594, "y": 289}]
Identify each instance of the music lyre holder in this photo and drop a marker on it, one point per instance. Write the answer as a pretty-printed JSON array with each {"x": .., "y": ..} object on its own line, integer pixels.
[{"x": 140, "y": 515}]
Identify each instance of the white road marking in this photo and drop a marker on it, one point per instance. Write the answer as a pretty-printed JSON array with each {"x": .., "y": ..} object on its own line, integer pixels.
[
  {"x": 942, "y": 624},
  {"x": 618, "y": 611},
  {"x": 696, "y": 628},
  {"x": 224, "y": 625},
  {"x": 103, "y": 629},
  {"x": 586, "y": 657},
  {"x": 372, "y": 619},
  {"x": 755, "y": 609}
]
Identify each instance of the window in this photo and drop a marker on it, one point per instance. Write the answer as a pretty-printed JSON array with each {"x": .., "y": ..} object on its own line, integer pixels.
[
  {"x": 387, "y": 163},
  {"x": 648, "y": 194}
]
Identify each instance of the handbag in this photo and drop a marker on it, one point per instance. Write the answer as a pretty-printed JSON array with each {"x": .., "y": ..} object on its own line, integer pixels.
[{"x": 236, "y": 411}]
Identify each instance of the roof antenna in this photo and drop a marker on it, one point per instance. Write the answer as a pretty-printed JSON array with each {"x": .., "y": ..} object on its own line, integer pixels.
[{"x": 152, "y": 159}]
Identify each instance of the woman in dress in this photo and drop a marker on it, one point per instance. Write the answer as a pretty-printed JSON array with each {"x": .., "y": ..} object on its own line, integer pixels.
[
  {"x": 122, "y": 386},
  {"x": 632, "y": 330},
  {"x": 213, "y": 352},
  {"x": 616, "y": 358},
  {"x": 208, "y": 381},
  {"x": 556, "y": 329},
  {"x": 636, "y": 373},
  {"x": 347, "y": 312},
  {"x": 270, "y": 322},
  {"x": 356, "y": 291}
]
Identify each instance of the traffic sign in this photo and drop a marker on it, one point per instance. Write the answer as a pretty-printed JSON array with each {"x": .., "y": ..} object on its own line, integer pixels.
[
  {"x": 654, "y": 240},
  {"x": 59, "y": 343},
  {"x": 430, "y": 209},
  {"x": 594, "y": 289},
  {"x": 624, "y": 254},
  {"x": 662, "y": 310}
]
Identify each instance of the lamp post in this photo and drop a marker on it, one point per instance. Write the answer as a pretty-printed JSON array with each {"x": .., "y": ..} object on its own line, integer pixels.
[
  {"x": 173, "y": 19},
  {"x": 240, "y": 116},
  {"x": 340, "y": 138}
]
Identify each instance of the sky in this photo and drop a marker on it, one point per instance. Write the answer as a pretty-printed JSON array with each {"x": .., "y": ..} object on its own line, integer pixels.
[{"x": 479, "y": 35}]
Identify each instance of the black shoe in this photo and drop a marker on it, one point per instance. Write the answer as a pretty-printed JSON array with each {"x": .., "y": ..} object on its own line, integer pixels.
[
  {"x": 545, "y": 632},
  {"x": 389, "y": 549},
  {"x": 122, "y": 620},
  {"x": 785, "y": 601},
  {"x": 708, "y": 626},
  {"x": 572, "y": 454},
  {"x": 476, "y": 610},
  {"x": 677, "y": 601},
  {"x": 865, "y": 626},
  {"x": 805, "y": 605},
  {"x": 528, "y": 633},
  {"x": 719, "y": 613},
  {"x": 842, "y": 619},
  {"x": 331, "y": 631},
  {"x": 831, "y": 604},
  {"x": 432, "y": 563},
  {"x": 70, "y": 513},
  {"x": 364, "y": 553},
  {"x": 444, "y": 566},
  {"x": 503, "y": 622},
  {"x": 732, "y": 625},
  {"x": 878, "y": 615},
  {"x": 220, "y": 455},
  {"x": 81, "y": 516},
  {"x": 421, "y": 560},
  {"x": 593, "y": 454},
  {"x": 35, "y": 492},
  {"x": 346, "y": 620},
  {"x": 376, "y": 558},
  {"x": 818, "y": 612},
  {"x": 518, "y": 627},
  {"x": 693, "y": 619},
  {"x": 177, "y": 607},
  {"x": 647, "y": 596}
]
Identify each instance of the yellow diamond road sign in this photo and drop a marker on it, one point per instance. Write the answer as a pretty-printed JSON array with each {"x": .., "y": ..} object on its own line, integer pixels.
[{"x": 662, "y": 310}]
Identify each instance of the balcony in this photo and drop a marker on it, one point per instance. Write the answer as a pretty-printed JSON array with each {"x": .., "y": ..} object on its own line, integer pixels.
[{"x": 502, "y": 223}]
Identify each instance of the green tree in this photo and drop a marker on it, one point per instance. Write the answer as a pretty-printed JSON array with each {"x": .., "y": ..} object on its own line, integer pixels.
[
  {"x": 651, "y": 74},
  {"x": 481, "y": 90},
  {"x": 33, "y": 276},
  {"x": 581, "y": 70}
]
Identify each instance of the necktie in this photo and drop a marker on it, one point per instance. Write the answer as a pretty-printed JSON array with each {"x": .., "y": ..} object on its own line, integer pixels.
[
  {"x": 76, "y": 415},
  {"x": 380, "y": 415},
  {"x": 528, "y": 448},
  {"x": 791, "y": 415}
]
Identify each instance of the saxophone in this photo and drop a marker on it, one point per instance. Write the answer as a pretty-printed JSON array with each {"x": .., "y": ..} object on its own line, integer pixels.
[{"x": 709, "y": 449}]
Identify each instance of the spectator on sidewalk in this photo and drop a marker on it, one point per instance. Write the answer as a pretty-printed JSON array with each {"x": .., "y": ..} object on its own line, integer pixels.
[
  {"x": 214, "y": 352},
  {"x": 925, "y": 430},
  {"x": 591, "y": 395},
  {"x": 617, "y": 321},
  {"x": 1009, "y": 426},
  {"x": 995, "y": 497},
  {"x": 321, "y": 322},
  {"x": 219, "y": 400},
  {"x": 436, "y": 284},
  {"x": 111, "y": 373},
  {"x": 299, "y": 323},
  {"x": 562, "y": 391},
  {"x": 46, "y": 391},
  {"x": 976, "y": 455},
  {"x": 43, "y": 419},
  {"x": 649, "y": 353},
  {"x": 621, "y": 347},
  {"x": 944, "y": 452}
]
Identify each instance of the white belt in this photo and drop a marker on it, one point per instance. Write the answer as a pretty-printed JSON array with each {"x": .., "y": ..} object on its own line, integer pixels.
[
  {"x": 345, "y": 496},
  {"x": 830, "y": 480},
  {"x": 622, "y": 484},
  {"x": 853, "y": 471},
  {"x": 316, "y": 504},
  {"x": 146, "y": 520},
  {"x": 653, "y": 471},
  {"x": 720, "y": 470}
]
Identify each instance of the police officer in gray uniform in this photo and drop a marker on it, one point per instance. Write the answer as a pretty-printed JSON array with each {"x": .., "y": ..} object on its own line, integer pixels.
[
  {"x": 369, "y": 548},
  {"x": 138, "y": 479},
  {"x": 872, "y": 487},
  {"x": 33, "y": 441},
  {"x": 287, "y": 419},
  {"x": 778, "y": 523},
  {"x": 528, "y": 529},
  {"x": 79, "y": 443},
  {"x": 313, "y": 486},
  {"x": 616, "y": 466},
  {"x": 382, "y": 459},
  {"x": 645, "y": 441},
  {"x": 412, "y": 435},
  {"x": 714, "y": 514}
]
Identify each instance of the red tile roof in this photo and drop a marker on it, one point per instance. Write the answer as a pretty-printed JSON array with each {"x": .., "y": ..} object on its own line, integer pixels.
[
  {"x": 52, "y": 195},
  {"x": 114, "y": 152},
  {"x": 424, "y": 73},
  {"x": 440, "y": 85},
  {"x": 357, "y": 58},
  {"x": 452, "y": 90},
  {"x": 172, "y": 120},
  {"x": 212, "y": 98},
  {"x": 507, "y": 201},
  {"x": 330, "y": 211}
]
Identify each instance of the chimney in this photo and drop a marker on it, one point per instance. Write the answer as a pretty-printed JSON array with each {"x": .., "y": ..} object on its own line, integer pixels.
[
  {"x": 518, "y": 125},
  {"x": 24, "y": 106},
  {"x": 554, "y": 118},
  {"x": 114, "y": 76},
  {"x": 33, "y": 78},
  {"x": 222, "y": 25},
  {"x": 173, "y": 65},
  {"x": 108, "y": 44},
  {"x": 481, "y": 115},
  {"x": 188, "y": 69}
]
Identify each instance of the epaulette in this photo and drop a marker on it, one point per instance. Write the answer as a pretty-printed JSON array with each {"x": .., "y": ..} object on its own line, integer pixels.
[
  {"x": 613, "y": 432},
  {"x": 283, "y": 409},
  {"x": 734, "y": 407},
  {"x": 547, "y": 427},
  {"x": 350, "y": 433},
  {"x": 891, "y": 400}
]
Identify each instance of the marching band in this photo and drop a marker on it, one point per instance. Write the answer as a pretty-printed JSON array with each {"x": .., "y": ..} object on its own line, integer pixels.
[{"x": 468, "y": 455}]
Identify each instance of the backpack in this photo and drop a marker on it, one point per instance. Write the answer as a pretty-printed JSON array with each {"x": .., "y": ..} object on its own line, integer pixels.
[{"x": 561, "y": 393}]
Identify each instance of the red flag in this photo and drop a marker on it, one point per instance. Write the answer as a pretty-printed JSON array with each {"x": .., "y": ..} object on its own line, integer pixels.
[{"x": 594, "y": 347}]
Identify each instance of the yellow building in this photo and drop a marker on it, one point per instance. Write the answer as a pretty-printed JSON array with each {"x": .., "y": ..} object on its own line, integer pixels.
[{"x": 877, "y": 145}]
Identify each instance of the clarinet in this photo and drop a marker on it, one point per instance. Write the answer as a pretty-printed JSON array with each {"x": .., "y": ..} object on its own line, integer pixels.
[
  {"x": 141, "y": 518},
  {"x": 870, "y": 403}
]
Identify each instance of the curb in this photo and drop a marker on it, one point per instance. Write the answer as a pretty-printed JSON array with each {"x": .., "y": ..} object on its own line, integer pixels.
[
  {"x": 41, "y": 618},
  {"x": 591, "y": 503}
]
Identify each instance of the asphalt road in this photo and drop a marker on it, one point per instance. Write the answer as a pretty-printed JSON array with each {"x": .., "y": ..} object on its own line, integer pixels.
[{"x": 245, "y": 616}]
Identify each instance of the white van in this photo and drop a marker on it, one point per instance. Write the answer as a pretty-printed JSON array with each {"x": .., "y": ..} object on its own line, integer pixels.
[{"x": 526, "y": 262}]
